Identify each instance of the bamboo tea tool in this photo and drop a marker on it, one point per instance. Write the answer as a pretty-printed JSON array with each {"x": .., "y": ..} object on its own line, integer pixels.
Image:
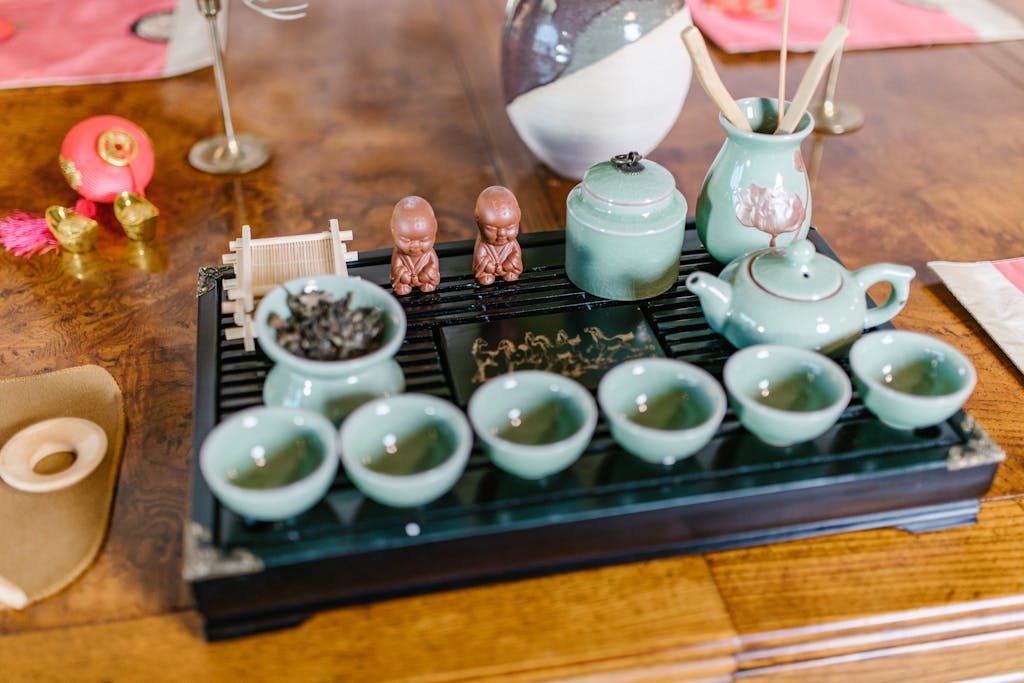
[
  {"x": 830, "y": 116},
  {"x": 262, "y": 264},
  {"x": 782, "y": 59},
  {"x": 709, "y": 79},
  {"x": 809, "y": 83}
]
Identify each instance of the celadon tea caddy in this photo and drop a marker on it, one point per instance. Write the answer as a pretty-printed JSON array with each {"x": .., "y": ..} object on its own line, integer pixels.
[
  {"x": 795, "y": 296},
  {"x": 624, "y": 229}
]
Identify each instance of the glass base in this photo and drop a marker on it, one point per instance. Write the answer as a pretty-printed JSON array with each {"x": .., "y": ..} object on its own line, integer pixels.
[
  {"x": 211, "y": 154},
  {"x": 837, "y": 119}
]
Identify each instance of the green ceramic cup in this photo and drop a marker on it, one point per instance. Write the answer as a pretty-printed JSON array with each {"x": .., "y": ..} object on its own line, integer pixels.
[
  {"x": 785, "y": 395},
  {"x": 270, "y": 463},
  {"x": 910, "y": 380},
  {"x": 659, "y": 409},
  {"x": 331, "y": 388},
  {"x": 532, "y": 423},
  {"x": 405, "y": 450}
]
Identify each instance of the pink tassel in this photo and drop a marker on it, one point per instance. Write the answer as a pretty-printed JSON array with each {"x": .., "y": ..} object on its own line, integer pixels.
[{"x": 26, "y": 235}]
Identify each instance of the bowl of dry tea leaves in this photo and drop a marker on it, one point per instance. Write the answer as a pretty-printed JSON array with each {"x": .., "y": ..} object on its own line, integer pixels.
[{"x": 333, "y": 341}]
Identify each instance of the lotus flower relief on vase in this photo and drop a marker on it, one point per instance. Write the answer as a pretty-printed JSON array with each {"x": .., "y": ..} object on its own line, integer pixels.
[
  {"x": 757, "y": 193},
  {"x": 772, "y": 210}
]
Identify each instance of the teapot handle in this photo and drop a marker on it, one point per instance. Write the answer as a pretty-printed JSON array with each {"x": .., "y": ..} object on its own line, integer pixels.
[{"x": 898, "y": 276}]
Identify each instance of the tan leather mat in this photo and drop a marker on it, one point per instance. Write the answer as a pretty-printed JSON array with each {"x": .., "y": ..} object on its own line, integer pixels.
[{"x": 48, "y": 539}]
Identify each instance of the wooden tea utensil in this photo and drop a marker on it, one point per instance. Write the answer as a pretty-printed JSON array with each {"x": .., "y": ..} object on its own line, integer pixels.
[
  {"x": 783, "y": 50},
  {"x": 708, "y": 77},
  {"x": 810, "y": 81}
]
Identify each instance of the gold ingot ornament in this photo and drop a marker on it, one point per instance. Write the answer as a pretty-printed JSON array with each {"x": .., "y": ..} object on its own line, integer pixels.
[
  {"x": 137, "y": 215},
  {"x": 75, "y": 232}
]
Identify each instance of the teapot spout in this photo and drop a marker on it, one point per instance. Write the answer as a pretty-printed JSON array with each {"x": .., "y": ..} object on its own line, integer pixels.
[{"x": 715, "y": 297}]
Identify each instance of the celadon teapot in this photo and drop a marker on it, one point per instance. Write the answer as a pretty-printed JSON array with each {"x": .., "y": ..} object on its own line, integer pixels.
[{"x": 795, "y": 296}]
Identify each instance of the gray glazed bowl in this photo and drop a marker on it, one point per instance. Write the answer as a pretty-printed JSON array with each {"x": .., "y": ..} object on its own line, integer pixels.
[
  {"x": 270, "y": 463},
  {"x": 532, "y": 423},
  {"x": 660, "y": 409},
  {"x": 405, "y": 450},
  {"x": 910, "y": 380},
  {"x": 785, "y": 395}
]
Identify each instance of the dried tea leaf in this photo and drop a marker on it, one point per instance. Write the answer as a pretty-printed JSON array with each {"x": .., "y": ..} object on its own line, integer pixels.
[{"x": 322, "y": 328}]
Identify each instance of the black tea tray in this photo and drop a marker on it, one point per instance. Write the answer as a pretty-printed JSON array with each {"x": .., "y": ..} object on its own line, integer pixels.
[{"x": 609, "y": 507}]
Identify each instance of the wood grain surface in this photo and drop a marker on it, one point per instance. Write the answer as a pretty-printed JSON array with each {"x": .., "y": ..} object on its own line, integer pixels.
[{"x": 366, "y": 101}]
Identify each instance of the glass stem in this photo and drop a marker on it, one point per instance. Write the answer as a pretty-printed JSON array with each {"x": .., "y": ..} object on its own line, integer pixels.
[
  {"x": 222, "y": 87},
  {"x": 828, "y": 105}
]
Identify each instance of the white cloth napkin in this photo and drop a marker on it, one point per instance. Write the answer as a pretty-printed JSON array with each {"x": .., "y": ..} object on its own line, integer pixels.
[{"x": 993, "y": 292}]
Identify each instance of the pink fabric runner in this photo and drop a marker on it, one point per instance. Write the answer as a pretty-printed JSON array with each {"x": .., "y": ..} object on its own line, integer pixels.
[
  {"x": 79, "y": 39},
  {"x": 68, "y": 42},
  {"x": 873, "y": 24}
]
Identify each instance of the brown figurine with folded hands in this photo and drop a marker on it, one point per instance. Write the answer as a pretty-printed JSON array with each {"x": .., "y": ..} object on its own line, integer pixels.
[
  {"x": 414, "y": 261},
  {"x": 497, "y": 252}
]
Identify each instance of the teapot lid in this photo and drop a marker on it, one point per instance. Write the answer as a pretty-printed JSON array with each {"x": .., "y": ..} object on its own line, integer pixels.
[
  {"x": 797, "y": 272},
  {"x": 628, "y": 180}
]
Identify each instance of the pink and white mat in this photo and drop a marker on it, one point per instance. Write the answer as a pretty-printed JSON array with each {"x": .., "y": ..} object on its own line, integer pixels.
[
  {"x": 873, "y": 23},
  {"x": 993, "y": 292},
  {"x": 57, "y": 42}
]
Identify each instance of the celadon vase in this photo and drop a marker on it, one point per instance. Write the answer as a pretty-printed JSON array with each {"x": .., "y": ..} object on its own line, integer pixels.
[{"x": 757, "y": 193}]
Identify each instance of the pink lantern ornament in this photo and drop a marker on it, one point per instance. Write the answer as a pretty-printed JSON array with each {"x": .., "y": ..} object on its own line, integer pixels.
[
  {"x": 105, "y": 159},
  {"x": 103, "y": 156}
]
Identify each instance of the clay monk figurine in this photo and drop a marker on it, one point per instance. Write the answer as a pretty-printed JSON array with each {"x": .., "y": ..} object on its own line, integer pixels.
[
  {"x": 414, "y": 261},
  {"x": 497, "y": 253}
]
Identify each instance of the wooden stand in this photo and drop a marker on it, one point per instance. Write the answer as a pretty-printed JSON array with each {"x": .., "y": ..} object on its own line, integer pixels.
[{"x": 262, "y": 264}]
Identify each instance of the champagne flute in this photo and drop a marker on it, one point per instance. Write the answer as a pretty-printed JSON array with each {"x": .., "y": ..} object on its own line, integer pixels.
[
  {"x": 229, "y": 153},
  {"x": 831, "y": 116}
]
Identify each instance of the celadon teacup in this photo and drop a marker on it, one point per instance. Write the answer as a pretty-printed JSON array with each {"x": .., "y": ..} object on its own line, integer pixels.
[
  {"x": 533, "y": 423},
  {"x": 270, "y": 463},
  {"x": 784, "y": 394},
  {"x": 405, "y": 450},
  {"x": 660, "y": 409},
  {"x": 910, "y": 380}
]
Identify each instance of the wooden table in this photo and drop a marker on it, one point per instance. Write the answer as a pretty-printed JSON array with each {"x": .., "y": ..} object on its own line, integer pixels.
[{"x": 366, "y": 101}]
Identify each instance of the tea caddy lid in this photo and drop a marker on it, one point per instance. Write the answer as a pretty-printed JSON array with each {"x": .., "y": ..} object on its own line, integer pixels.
[
  {"x": 627, "y": 182},
  {"x": 797, "y": 272}
]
